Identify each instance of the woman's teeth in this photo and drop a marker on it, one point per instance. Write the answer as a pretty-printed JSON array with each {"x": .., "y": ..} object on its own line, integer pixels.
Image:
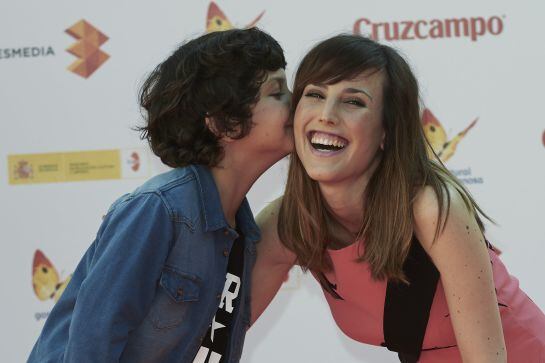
[{"x": 327, "y": 142}]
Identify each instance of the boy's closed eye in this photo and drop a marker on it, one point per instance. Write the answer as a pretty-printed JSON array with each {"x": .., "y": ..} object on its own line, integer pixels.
[{"x": 278, "y": 94}]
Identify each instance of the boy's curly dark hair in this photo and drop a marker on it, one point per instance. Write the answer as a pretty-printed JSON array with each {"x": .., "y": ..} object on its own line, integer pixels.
[{"x": 217, "y": 75}]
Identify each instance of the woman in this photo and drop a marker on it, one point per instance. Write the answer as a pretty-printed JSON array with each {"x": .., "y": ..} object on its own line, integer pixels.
[{"x": 394, "y": 239}]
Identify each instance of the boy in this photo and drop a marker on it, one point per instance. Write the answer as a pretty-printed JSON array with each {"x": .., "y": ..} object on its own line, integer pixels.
[{"x": 167, "y": 278}]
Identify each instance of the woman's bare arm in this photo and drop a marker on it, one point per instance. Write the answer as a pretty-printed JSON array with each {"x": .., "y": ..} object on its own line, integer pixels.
[
  {"x": 273, "y": 260},
  {"x": 460, "y": 254}
]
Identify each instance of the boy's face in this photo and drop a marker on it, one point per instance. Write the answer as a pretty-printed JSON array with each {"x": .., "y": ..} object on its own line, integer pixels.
[{"x": 271, "y": 136}]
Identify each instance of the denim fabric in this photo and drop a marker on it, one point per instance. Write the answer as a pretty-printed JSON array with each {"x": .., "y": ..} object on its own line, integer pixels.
[{"x": 148, "y": 287}]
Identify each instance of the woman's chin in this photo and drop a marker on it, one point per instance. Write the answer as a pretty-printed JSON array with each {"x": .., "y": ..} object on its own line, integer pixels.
[{"x": 323, "y": 176}]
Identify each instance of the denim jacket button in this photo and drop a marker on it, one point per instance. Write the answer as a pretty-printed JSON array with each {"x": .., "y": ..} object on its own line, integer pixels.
[
  {"x": 218, "y": 296},
  {"x": 180, "y": 292},
  {"x": 226, "y": 232},
  {"x": 225, "y": 253}
]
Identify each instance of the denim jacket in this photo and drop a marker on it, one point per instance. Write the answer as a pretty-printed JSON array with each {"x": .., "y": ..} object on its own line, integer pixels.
[{"x": 148, "y": 287}]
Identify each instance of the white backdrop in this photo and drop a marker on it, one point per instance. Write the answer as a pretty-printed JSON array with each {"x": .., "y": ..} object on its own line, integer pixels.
[{"x": 57, "y": 177}]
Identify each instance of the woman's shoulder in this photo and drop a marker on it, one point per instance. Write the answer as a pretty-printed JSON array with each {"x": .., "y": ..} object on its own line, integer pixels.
[
  {"x": 432, "y": 212},
  {"x": 428, "y": 202}
]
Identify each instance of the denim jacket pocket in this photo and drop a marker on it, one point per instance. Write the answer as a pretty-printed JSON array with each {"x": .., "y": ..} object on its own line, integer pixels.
[{"x": 176, "y": 292}]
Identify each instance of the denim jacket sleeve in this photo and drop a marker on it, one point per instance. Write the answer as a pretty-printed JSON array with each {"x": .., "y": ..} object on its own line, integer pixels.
[{"x": 131, "y": 247}]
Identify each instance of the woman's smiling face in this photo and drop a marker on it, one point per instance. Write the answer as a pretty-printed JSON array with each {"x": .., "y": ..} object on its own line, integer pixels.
[{"x": 338, "y": 128}]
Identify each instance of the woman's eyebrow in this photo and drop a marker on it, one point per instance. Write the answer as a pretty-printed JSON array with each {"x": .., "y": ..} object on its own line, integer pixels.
[
  {"x": 358, "y": 90},
  {"x": 347, "y": 90},
  {"x": 319, "y": 85}
]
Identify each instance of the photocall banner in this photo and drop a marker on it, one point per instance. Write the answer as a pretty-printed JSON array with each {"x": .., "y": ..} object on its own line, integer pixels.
[{"x": 70, "y": 73}]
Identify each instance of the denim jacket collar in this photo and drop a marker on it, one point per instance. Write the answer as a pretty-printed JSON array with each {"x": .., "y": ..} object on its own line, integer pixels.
[
  {"x": 214, "y": 218},
  {"x": 246, "y": 222}
]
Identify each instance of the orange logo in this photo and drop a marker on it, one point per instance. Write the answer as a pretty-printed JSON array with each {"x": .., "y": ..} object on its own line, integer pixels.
[
  {"x": 134, "y": 161},
  {"x": 437, "y": 136},
  {"x": 87, "y": 48},
  {"x": 217, "y": 21},
  {"x": 45, "y": 278}
]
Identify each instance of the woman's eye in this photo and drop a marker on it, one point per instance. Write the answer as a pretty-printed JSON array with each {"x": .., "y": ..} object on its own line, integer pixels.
[
  {"x": 278, "y": 95},
  {"x": 314, "y": 95},
  {"x": 356, "y": 102}
]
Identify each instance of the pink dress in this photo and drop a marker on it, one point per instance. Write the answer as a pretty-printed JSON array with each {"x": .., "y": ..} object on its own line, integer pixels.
[{"x": 360, "y": 314}]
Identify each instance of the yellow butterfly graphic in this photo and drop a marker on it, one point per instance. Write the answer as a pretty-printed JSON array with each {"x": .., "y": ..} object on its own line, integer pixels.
[
  {"x": 217, "y": 21},
  {"x": 437, "y": 136},
  {"x": 45, "y": 278}
]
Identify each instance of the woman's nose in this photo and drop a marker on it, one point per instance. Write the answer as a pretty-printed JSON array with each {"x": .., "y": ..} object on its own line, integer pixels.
[{"x": 328, "y": 114}]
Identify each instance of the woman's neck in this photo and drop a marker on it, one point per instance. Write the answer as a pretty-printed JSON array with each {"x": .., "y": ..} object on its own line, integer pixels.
[
  {"x": 345, "y": 204},
  {"x": 345, "y": 199}
]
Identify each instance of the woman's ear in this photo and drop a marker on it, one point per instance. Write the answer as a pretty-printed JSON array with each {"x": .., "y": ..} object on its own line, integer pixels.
[{"x": 382, "y": 140}]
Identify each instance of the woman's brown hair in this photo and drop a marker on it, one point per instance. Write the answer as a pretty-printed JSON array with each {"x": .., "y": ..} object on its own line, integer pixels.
[{"x": 305, "y": 223}]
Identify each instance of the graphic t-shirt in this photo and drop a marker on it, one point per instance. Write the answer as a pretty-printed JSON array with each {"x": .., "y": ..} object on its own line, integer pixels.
[{"x": 216, "y": 341}]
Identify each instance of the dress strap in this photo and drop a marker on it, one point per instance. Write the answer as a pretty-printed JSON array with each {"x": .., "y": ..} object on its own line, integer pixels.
[{"x": 407, "y": 306}]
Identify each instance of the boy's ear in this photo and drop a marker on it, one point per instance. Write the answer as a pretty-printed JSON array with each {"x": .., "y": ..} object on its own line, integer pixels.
[{"x": 211, "y": 125}]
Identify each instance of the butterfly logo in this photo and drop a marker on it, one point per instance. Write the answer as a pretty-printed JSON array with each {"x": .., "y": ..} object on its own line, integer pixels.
[
  {"x": 437, "y": 136},
  {"x": 217, "y": 21},
  {"x": 45, "y": 278}
]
